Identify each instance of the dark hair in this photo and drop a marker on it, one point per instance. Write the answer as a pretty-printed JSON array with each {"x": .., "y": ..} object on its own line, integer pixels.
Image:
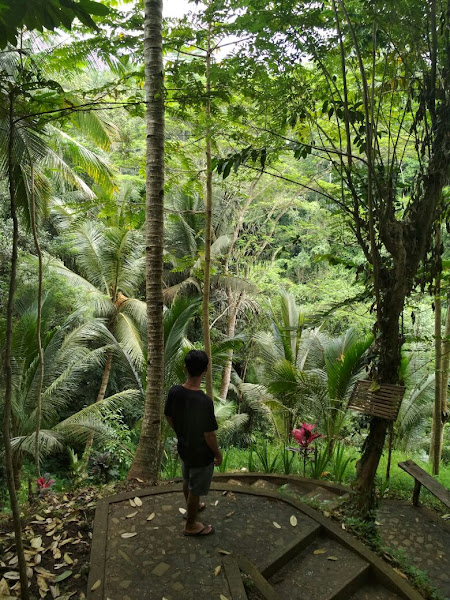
[{"x": 196, "y": 362}]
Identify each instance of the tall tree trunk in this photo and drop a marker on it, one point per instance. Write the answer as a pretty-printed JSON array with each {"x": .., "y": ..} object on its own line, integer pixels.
[
  {"x": 38, "y": 326},
  {"x": 389, "y": 360},
  {"x": 8, "y": 365},
  {"x": 146, "y": 461},
  {"x": 436, "y": 425},
  {"x": 208, "y": 224}
]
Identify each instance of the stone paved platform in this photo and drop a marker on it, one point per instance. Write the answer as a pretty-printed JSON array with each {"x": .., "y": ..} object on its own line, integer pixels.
[
  {"x": 422, "y": 536},
  {"x": 139, "y": 551}
]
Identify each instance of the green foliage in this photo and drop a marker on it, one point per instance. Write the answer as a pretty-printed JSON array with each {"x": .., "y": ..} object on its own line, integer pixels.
[{"x": 45, "y": 14}]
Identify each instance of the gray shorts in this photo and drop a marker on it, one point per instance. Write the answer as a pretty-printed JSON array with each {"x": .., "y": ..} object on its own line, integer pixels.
[{"x": 198, "y": 478}]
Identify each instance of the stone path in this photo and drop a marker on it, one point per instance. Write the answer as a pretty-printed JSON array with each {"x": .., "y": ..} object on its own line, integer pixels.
[
  {"x": 283, "y": 547},
  {"x": 422, "y": 536}
]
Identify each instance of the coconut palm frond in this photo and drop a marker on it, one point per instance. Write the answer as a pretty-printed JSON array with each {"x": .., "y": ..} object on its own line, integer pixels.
[
  {"x": 176, "y": 321},
  {"x": 64, "y": 173},
  {"x": 91, "y": 162},
  {"x": 129, "y": 338},
  {"x": 49, "y": 442},
  {"x": 171, "y": 293},
  {"x": 130, "y": 397},
  {"x": 231, "y": 426},
  {"x": 236, "y": 284}
]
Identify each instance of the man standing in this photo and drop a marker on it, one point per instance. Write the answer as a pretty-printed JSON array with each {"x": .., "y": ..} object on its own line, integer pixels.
[{"x": 190, "y": 413}]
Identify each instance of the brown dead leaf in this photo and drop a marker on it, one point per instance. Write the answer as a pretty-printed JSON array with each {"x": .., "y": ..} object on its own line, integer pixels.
[
  {"x": 138, "y": 501},
  {"x": 36, "y": 542},
  {"x": 128, "y": 534},
  {"x": 133, "y": 503},
  {"x": 12, "y": 575},
  {"x": 131, "y": 515},
  {"x": 217, "y": 570},
  {"x": 151, "y": 517},
  {"x": 320, "y": 551}
]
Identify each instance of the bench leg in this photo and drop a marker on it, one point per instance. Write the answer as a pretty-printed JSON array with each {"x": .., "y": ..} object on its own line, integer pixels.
[{"x": 416, "y": 492}]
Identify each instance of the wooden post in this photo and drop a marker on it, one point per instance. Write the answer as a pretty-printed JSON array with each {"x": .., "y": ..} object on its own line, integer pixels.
[{"x": 416, "y": 492}]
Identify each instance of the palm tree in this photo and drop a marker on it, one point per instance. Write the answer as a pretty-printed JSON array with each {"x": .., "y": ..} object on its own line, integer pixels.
[
  {"x": 111, "y": 263},
  {"x": 147, "y": 459},
  {"x": 67, "y": 358}
]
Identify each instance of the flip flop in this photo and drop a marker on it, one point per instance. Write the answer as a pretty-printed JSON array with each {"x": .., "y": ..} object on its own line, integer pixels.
[
  {"x": 200, "y": 508},
  {"x": 209, "y": 529}
]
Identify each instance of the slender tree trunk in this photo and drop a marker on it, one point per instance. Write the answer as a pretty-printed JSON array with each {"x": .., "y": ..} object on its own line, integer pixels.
[
  {"x": 233, "y": 307},
  {"x": 105, "y": 378},
  {"x": 436, "y": 425},
  {"x": 8, "y": 366},
  {"x": 208, "y": 226},
  {"x": 38, "y": 326},
  {"x": 445, "y": 375},
  {"x": 146, "y": 461}
]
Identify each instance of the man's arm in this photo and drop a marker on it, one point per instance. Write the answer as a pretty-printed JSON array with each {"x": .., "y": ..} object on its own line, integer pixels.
[{"x": 211, "y": 441}]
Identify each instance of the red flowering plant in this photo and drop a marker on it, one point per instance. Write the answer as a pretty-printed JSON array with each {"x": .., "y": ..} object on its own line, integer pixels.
[
  {"x": 44, "y": 484},
  {"x": 304, "y": 436}
]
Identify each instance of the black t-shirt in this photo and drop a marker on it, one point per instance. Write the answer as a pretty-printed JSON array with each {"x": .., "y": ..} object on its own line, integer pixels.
[{"x": 192, "y": 413}]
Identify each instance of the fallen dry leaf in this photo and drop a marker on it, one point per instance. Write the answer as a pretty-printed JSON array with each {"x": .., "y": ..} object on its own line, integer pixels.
[
  {"x": 4, "y": 587},
  {"x": 36, "y": 542},
  {"x": 222, "y": 551},
  {"x": 277, "y": 525},
  {"x": 217, "y": 570},
  {"x": 133, "y": 514},
  {"x": 96, "y": 585},
  {"x": 332, "y": 558},
  {"x": 319, "y": 551},
  {"x": 129, "y": 534},
  {"x": 222, "y": 597},
  {"x": 400, "y": 573},
  {"x": 11, "y": 575},
  {"x": 138, "y": 501},
  {"x": 293, "y": 521},
  {"x": 67, "y": 559},
  {"x": 216, "y": 503},
  {"x": 183, "y": 511},
  {"x": 133, "y": 503},
  {"x": 151, "y": 517},
  {"x": 228, "y": 515}
]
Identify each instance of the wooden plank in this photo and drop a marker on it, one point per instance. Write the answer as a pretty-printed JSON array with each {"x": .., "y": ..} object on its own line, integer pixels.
[
  {"x": 233, "y": 575},
  {"x": 427, "y": 481}
]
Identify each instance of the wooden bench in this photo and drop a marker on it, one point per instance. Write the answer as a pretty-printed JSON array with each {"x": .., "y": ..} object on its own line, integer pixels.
[{"x": 423, "y": 479}]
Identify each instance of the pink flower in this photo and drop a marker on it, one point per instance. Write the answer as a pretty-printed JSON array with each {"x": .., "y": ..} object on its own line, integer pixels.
[
  {"x": 304, "y": 436},
  {"x": 44, "y": 483}
]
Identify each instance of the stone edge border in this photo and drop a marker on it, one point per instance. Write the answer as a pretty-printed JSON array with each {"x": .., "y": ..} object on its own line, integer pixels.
[{"x": 382, "y": 572}]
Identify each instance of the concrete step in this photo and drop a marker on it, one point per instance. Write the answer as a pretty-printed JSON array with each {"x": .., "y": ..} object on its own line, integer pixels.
[{"x": 332, "y": 573}]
